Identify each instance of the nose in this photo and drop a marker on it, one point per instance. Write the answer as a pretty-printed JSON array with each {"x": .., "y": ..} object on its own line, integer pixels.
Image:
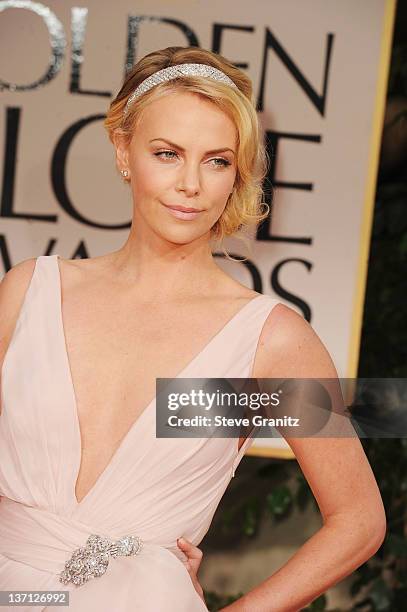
[{"x": 188, "y": 179}]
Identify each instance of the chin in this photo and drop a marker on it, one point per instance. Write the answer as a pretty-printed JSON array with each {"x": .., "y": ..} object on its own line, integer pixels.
[{"x": 181, "y": 235}]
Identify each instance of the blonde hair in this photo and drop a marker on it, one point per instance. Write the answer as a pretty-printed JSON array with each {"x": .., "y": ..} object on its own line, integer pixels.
[{"x": 244, "y": 207}]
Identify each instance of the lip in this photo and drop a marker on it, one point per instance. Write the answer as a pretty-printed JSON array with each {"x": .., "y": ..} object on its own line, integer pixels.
[
  {"x": 183, "y": 208},
  {"x": 182, "y": 212}
]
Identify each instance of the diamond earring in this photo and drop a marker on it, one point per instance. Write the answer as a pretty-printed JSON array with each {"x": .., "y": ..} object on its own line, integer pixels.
[{"x": 125, "y": 173}]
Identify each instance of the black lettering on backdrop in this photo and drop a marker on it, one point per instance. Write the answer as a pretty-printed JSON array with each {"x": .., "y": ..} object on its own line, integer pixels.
[
  {"x": 59, "y": 158},
  {"x": 10, "y": 168},
  {"x": 251, "y": 267},
  {"x": 133, "y": 34},
  {"x": 81, "y": 251},
  {"x": 272, "y": 140},
  {"x": 317, "y": 100},
  {"x": 218, "y": 29},
  {"x": 287, "y": 295},
  {"x": 58, "y": 171}
]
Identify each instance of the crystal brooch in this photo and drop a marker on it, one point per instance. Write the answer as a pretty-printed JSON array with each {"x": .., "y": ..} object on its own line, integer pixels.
[{"x": 92, "y": 560}]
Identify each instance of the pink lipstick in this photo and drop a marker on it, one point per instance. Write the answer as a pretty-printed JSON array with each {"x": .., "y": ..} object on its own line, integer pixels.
[{"x": 183, "y": 212}]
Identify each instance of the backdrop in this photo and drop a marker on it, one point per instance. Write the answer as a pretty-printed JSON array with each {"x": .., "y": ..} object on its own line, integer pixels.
[{"x": 319, "y": 69}]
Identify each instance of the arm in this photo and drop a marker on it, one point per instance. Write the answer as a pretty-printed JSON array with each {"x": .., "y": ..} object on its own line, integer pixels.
[{"x": 339, "y": 475}]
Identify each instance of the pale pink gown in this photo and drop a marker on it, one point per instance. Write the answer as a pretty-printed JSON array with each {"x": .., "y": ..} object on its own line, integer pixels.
[{"x": 157, "y": 488}]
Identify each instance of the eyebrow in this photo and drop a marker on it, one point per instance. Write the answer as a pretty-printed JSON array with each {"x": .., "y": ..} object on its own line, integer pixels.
[{"x": 172, "y": 144}]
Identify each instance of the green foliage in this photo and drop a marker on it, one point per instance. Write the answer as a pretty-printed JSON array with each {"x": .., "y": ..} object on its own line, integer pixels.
[
  {"x": 381, "y": 583},
  {"x": 383, "y": 578},
  {"x": 279, "y": 501},
  {"x": 215, "y": 601}
]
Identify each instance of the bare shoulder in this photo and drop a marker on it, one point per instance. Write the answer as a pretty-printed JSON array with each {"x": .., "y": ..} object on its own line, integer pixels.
[
  {"x": 86, "y": 266},
  {"x": 78, "y": 272},
  {"x": 290, "y": 347},
  {"x": 77, "y": 265}
]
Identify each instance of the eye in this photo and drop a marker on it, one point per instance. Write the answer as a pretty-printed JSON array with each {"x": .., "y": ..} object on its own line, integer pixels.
[
  {"x": 168, "y": 154},
  {"x": 163, "y": 154},
  {"x": 224, "y": 162}
]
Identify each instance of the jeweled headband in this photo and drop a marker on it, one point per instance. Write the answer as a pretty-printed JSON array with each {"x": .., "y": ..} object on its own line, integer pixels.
[{"x": 172, "y": 72}]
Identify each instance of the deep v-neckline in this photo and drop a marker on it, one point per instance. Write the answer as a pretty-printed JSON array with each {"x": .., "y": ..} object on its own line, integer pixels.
[{"x": 143, "y": 414}]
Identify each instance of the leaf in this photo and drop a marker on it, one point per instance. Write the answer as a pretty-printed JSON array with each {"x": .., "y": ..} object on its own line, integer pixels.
[
  {"x": 251, "y": 516},
  {"x": 381, "y": 595},
  {"x": 318, "y": 604},
  {"x": 279, "y": 501},
  {"x": 396, "y": 545}
]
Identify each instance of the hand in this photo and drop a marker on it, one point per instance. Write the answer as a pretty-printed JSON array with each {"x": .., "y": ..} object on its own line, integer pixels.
[{"x": 193, "y": 562}]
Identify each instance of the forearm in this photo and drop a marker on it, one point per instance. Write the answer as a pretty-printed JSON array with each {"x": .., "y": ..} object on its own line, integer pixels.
[{"x": 332, "y": 553}]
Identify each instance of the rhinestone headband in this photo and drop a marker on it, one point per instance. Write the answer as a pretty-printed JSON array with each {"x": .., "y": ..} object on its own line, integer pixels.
[{"x": 172, "y": 72}]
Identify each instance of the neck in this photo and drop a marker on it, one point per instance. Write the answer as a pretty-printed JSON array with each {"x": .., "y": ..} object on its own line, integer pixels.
[{"x": 165, "y": 269}]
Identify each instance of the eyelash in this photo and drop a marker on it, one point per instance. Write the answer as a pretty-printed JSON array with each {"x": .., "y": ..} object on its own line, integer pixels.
[{"x": 224, "y": 164}]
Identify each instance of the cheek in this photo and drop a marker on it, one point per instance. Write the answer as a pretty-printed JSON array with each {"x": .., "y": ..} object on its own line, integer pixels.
[
  {"x": 221, "y": 186},
  {"x": 147, "y": 180}
]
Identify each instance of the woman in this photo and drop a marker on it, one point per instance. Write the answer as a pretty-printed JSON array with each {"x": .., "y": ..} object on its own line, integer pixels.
[{"x": 80, "y": 465}]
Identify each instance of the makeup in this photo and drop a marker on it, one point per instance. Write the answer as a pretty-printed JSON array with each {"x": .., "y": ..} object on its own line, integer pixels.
[{"x": 185, "y": 215}]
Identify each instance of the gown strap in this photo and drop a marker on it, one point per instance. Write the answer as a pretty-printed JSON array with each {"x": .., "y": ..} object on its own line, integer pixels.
[{"x": 254, "y": 327}]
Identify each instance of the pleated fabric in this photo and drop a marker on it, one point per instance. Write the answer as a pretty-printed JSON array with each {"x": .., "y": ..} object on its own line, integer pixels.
[{"x": 156, "y": 488}]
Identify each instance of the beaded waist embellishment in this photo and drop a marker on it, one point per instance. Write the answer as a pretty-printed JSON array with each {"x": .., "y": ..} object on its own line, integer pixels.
[{"x": 92, "y": 560}]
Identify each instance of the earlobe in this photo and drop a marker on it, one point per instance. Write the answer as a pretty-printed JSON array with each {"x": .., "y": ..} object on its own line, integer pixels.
[
  {"x": 122, "y": 153},
  {"x": 122, "y": 156}
]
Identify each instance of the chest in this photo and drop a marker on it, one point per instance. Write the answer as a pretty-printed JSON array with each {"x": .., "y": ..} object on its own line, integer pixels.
[
  {"x": 116, "y": 349},
  {"x": 116, "y": 354}
]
